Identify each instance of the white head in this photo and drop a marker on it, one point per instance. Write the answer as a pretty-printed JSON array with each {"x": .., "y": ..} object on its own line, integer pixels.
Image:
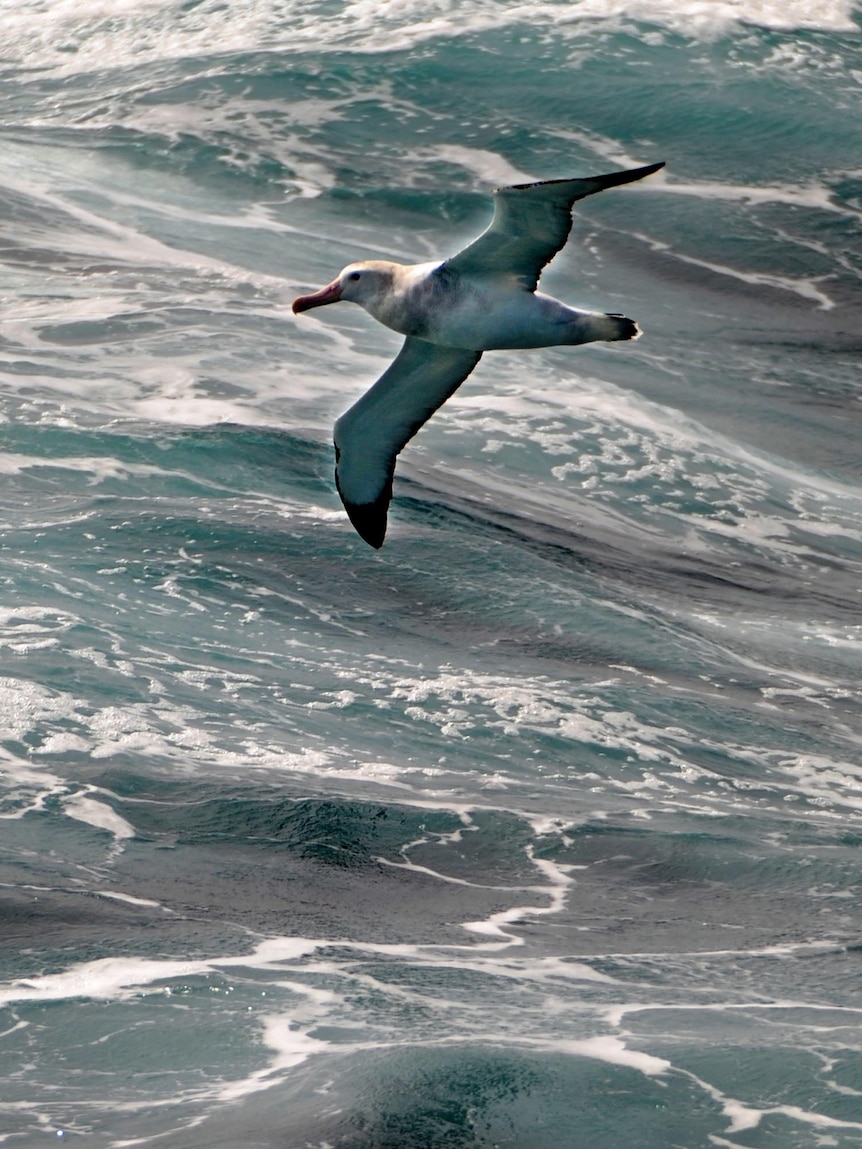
[{"x": 359, "y": 283}]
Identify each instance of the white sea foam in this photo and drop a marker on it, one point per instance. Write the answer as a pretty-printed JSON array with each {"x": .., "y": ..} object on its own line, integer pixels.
[
  {"x": 88, "y": 809},
  {"x": 607, "y": 435},
  {"x": 490, "y": 168},
  {"x": 615, "y": 1052},
  {"x": 119, "y": 978},
  {"x": 86, "y": 231},
  {"x": 289, "y": 1046},
  {"x": 459, "y": 702},
  {"x": 743, "y": 1117},
  {"x": 70, "y": 35},
  {"x": 493, "y": 926},
  {"x": 316, "y": 985},
  {"x": 807, "y": 287},
  {"x": 114, "y": 895},
  {"x": 101, "y": 980},
  {"x": 812, "y": 195},
  {"x": 97, "y": 468},
  {"x": 28, "y": 705}
]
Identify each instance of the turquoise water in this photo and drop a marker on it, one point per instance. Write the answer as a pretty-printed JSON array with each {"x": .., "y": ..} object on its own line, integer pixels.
[{"x": 540, "y": 827}]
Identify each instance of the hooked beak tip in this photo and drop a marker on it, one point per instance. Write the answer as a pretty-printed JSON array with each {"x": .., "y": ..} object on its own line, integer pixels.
[{"x": 329, "y": 294}]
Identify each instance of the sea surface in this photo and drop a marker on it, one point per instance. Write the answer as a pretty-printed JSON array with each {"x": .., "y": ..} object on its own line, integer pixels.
[{"x": 540, "y": 828}]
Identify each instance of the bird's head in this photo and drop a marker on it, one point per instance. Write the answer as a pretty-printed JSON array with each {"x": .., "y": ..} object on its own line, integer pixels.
[{"x": 359, "y": 283}]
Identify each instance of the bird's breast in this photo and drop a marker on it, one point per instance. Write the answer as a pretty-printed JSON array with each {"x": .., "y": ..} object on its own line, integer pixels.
[{"x": 414, "y": 302}]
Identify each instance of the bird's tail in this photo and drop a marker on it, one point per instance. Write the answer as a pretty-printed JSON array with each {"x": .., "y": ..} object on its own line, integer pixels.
[
  {"x": 596, "y": 326},
  {"x": 614, "y": 327}
]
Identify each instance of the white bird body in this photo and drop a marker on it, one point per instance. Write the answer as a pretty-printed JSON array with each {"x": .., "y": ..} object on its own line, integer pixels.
[
  {"x": 451, "y": 311},
  {"x": 487, "y": 313}
]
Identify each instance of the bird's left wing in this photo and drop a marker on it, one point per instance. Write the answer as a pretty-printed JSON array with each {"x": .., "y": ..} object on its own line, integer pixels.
[
  {"x": 531, "y": 223},
  {"x": 370, "y": 435}
]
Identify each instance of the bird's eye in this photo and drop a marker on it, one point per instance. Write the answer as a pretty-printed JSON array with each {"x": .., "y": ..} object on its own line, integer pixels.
[{"x": 353, "y": 275}]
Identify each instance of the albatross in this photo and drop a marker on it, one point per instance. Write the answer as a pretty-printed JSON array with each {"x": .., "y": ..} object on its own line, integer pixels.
[{"x": 451, "y": 311}]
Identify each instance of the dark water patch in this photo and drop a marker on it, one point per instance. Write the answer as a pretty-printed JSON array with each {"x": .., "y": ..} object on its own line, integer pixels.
[
  {"x": 576, "y": 545},
  {"x": 472, "y": 1098},
  {"x": 336, "y": 831},
  {"x": 47, "y": 929},
  {"x": 646, "y": 890},
  {"x": 156, "y": 461},
  {"x": 230, "y": 860},
  {"x": 442, "y": 1099},
  {"x": 345, "y": 834}
]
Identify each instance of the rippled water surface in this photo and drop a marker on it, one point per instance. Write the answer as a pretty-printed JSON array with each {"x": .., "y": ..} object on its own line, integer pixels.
[{"x": 540, "y": 827}]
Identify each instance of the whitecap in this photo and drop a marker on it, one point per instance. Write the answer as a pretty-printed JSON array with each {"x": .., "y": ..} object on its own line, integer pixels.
[
  {"x": 69, "y": 36},
  {"x": 85, "y": 808}
]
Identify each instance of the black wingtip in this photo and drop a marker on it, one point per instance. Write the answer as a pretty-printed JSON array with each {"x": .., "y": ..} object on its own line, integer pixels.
[
  {"x": 614, "y": 179},
  {"x": 369, "y": 519},
  {"x": 611, "y": 180}
]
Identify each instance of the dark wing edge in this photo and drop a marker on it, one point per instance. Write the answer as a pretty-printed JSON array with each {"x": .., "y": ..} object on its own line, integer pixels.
[
  {"x": 369, "y": 519},
  {"x": 532, "y": 223},
  {"x": 371, "y": 434},
  {"x": 611, "y": 180}
]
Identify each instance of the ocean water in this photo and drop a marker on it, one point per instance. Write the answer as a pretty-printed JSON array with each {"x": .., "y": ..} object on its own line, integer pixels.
[{"x": 542, "y": 826}]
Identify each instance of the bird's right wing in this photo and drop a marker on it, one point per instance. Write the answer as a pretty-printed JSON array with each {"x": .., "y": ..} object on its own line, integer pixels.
[
  {"x": 531, "y": 223},
  {"x": 370, "y": 435}
]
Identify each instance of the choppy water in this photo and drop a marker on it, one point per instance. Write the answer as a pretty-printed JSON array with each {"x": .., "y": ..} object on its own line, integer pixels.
[{"x": 542, "y": 826}]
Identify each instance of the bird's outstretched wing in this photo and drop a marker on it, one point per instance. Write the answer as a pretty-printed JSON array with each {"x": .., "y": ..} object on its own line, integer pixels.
[
  {"x": 531, "y": 223},
  {"x": 370, "y": 435}
]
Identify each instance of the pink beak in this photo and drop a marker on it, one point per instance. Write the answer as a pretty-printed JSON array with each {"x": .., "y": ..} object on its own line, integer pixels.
[{"x": 329, "y": 294}]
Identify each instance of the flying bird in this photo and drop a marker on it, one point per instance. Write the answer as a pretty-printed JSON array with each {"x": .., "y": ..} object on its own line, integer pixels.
[{"x": 482, "y": 299}]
